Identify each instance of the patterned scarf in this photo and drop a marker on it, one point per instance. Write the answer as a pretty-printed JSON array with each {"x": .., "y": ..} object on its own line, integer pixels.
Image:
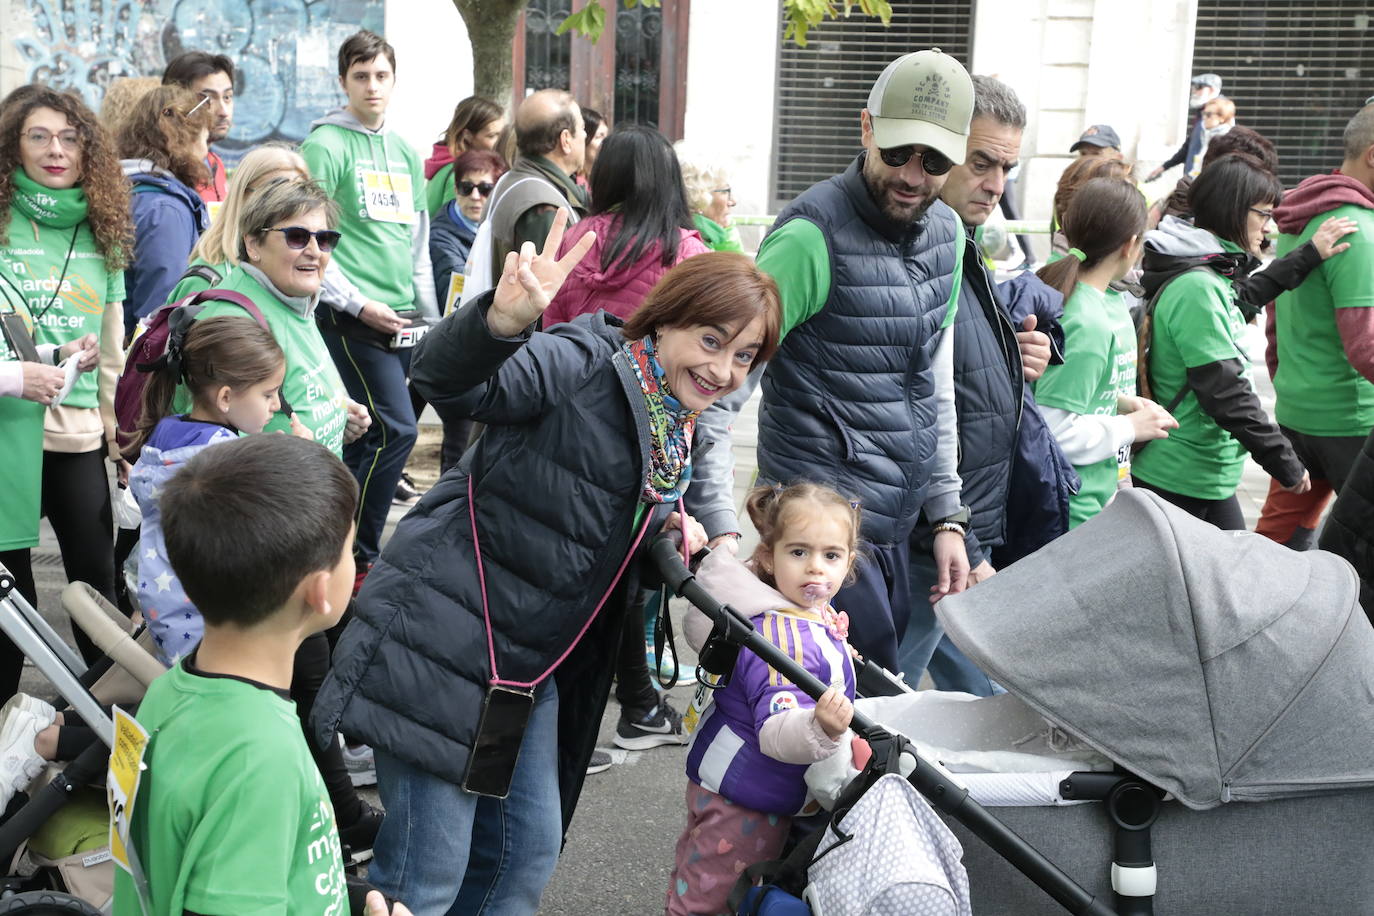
[
  {"x": 55, "y": 209},
  {"x": 670, "y": 427}
]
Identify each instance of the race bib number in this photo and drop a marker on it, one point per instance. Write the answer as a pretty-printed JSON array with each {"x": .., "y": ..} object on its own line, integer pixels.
[
  {"x": 388, "y": 196},
  {"x": 455, "y": 291},
  {"x": 124, "y": 777},
  {"x": 1123, "y": 463}
]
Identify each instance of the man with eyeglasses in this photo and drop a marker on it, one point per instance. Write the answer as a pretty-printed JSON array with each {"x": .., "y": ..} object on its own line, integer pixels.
[
  {"x": 861, "y": 393},
  {"x": 210, "y": 76}
]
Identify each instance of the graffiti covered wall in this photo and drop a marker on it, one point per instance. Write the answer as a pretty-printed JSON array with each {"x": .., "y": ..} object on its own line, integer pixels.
[{"x": 284, "y": 51}]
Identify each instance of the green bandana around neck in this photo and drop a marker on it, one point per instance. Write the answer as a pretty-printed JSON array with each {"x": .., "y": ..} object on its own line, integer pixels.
[{"x": 56, "y": 209}]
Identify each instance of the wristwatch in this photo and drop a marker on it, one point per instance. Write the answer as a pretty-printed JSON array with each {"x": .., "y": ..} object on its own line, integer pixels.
[{"x": 958, "y": 523}]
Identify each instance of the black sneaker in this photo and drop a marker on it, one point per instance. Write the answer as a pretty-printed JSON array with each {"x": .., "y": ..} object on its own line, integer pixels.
[
  {"x": 640, "y": 731},
  {"x": 357, "y": 838},
  {"x": 600, "y": 762},
  {"x": 407, "y": 494}
]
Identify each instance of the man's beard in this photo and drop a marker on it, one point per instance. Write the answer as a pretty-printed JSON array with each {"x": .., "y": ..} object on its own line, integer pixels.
[
  {"x": 219, "y": 133},
  {"x": 901, "y": 213}
]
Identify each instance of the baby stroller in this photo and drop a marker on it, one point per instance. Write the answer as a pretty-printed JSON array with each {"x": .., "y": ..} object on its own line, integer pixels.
[
  {"x": 1209, "y": 667},
  {"x": 79, "y": 883}
]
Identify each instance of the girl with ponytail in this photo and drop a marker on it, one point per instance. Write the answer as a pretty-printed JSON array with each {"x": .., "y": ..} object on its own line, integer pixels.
[
  {"x": 233, "y": 369},
  {"x": 1089, "y": 401}
]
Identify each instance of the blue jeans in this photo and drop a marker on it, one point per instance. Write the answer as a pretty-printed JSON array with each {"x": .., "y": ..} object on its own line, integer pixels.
[
  {"x": 925, "y": 645},
  {"x": 446, "y": 852},
  {"x": 375, "y": 378}
]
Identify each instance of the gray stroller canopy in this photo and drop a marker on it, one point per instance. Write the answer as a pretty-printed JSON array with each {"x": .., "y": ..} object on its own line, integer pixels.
[{"x": 1217, "y": 665}]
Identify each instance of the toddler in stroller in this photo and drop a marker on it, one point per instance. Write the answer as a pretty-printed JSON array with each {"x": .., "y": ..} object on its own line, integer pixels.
[{"x": 751, "y": 748}]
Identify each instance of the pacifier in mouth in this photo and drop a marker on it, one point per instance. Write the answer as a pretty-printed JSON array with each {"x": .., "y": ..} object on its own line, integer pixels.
[{"x": 816, "y": 593}]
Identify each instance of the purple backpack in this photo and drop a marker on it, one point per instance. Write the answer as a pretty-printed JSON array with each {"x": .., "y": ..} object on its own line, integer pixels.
[{"x": 149, "y": 351}]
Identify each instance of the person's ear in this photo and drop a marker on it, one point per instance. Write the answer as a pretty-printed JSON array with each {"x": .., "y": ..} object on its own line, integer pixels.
[
  {"x": 865, "y": 127},
  {"x": 314, "y": 592},
  {"x": 1129, "y": 251},
  {"x": 223, "y": 398},
  {"x": 253, "y": 245}
]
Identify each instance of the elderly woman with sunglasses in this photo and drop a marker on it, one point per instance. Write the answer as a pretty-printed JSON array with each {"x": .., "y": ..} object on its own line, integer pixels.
[
  {"x": 454, "y": 226},
  {"x": 285, "y": 239}
]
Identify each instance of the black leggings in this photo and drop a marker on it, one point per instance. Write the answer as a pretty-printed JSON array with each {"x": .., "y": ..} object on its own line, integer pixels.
[
  {"x": 312, "y": 664},
  {"x": 11, "y": 659},
  {"x": 1224, "y": 513},
  {"x": 76, "y": 500},
  {"x": 634, "y": 689}
]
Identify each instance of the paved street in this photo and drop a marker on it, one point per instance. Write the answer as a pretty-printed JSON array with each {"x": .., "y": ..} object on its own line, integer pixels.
[{"x": 620, "y": 848}]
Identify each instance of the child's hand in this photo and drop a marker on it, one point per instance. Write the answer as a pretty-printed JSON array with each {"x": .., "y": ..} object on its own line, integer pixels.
[
  {"x": 833, "y": 713},
  {"x": 1151, "y": 422},
  {"x": 300, "y": 430},
  {"x": 376, "y": 906}
]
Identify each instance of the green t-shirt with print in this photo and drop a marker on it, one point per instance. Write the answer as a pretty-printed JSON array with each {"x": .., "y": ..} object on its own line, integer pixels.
[
  {"x": 1196, "y": 322},
  {"x": 1098, "y": 367},
  {"x": 232, "y": 815},
  {"x": 67, "y": 297},
  {"x": 21, "y": 454},
  {"x": 312, "y": 385},
  {"x": 1317, "y": 391}
]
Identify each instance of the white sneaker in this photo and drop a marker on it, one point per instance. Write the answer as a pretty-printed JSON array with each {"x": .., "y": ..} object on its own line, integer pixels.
[
  {"x": 362, "y": 766},
  {"x": 19, "y": 762},
  {"x": 34, "y": 705}
]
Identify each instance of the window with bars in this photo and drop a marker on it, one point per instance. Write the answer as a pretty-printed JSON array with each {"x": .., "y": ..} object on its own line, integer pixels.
[
  {"x": 547, "y": 54},
  {"x": 1296, "y": 69},
  {"x": 823, "y": 87}
]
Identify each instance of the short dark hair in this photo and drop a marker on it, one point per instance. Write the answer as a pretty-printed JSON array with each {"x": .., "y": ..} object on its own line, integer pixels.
[
  {"x": 592, "y": 121},
  {"x": 1242, "y": 140},
  {"x": 185, "y": 69},
  {"x": 1224, "y": 192},
  {"x": 246, "y": 521},
  {"x": 361, "y": 47},
  {"x": 536, "y": 137},
  {"x": 722, "y": 288},
  {"x": 479, "y": 160}
]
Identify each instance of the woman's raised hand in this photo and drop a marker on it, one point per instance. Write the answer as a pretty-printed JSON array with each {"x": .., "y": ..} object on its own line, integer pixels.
[
  {"x": 529, "y": 281},
  {"x": 1327, "y": 238}
]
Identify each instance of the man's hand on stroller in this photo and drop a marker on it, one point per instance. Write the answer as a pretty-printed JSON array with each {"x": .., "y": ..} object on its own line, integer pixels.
[
  {"x": 951, "y": 565},
  {"x": 695, "y": 534},
  {"x": 834, "y": 713}
]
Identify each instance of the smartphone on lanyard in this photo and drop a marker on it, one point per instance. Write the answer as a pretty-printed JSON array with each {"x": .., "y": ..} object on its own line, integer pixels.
[{"x": 496, "y": 749}]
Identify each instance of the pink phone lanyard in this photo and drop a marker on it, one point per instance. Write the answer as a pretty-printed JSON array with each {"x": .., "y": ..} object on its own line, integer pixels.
[{"x": 496, "y": 680}]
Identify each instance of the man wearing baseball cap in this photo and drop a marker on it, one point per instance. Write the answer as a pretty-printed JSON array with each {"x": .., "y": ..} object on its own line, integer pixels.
[
  {"x": 1205, "y": 87},
  {"x": 860, "y": 395},
  {"x": 1098, "y": 140}
]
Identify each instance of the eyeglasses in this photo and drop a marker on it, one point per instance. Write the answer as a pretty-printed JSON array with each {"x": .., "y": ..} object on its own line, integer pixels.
[
  {"x": 465, "y": 188},
  {"x": 933, "y": 162},
  {"x": 38, "y": 138},
  {"x": 297, "y": 237},
  {"x": 725, "y": 190},
  {"x": 1267, "y": 214}
]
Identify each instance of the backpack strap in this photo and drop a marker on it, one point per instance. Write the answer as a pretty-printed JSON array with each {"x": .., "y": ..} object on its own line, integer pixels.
[
  {"x": 1147, "y": 316},
  {"x": 202, "y": 272}
]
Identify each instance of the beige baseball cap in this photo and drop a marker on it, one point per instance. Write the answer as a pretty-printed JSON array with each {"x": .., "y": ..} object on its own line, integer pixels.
[{"x": 925, "y": 97}]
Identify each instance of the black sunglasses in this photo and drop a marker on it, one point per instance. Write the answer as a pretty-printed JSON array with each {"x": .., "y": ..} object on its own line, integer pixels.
[
  {"x": 465, "y": 188},
  {"x": 297, "y": 237},
  {"x": 932, "y": 162}
]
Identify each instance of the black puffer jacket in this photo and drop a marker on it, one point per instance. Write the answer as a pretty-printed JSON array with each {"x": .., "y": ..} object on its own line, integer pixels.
[
  {"x": 1349, "y": 530},
  {"x": 557, "y": 478}
]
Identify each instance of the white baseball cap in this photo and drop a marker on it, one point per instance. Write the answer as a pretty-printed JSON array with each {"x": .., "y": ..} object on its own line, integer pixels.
[{"x": 923, "y": 98}]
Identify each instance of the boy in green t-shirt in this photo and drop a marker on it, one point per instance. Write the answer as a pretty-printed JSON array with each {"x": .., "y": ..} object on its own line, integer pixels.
[{"x": 232, "y": 817}]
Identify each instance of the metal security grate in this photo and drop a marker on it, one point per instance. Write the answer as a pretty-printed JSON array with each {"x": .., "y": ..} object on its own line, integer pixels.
[
  {"x": 823, "y": 87},
  {"x": 1296, "y": 69}
]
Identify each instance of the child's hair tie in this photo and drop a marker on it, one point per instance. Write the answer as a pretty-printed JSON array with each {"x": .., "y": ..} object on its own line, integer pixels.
[{"x": 1077, "y": 253}]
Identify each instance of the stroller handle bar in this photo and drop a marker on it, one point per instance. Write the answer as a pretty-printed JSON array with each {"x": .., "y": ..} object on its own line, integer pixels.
[{"x": 928, "y": 779}]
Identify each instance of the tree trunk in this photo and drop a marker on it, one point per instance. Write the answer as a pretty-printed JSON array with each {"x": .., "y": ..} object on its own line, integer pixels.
[{"x": 491, "y": 29}]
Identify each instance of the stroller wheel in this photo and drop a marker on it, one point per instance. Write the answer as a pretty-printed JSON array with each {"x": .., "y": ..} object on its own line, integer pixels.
[{"x": 46, "y": 903}]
